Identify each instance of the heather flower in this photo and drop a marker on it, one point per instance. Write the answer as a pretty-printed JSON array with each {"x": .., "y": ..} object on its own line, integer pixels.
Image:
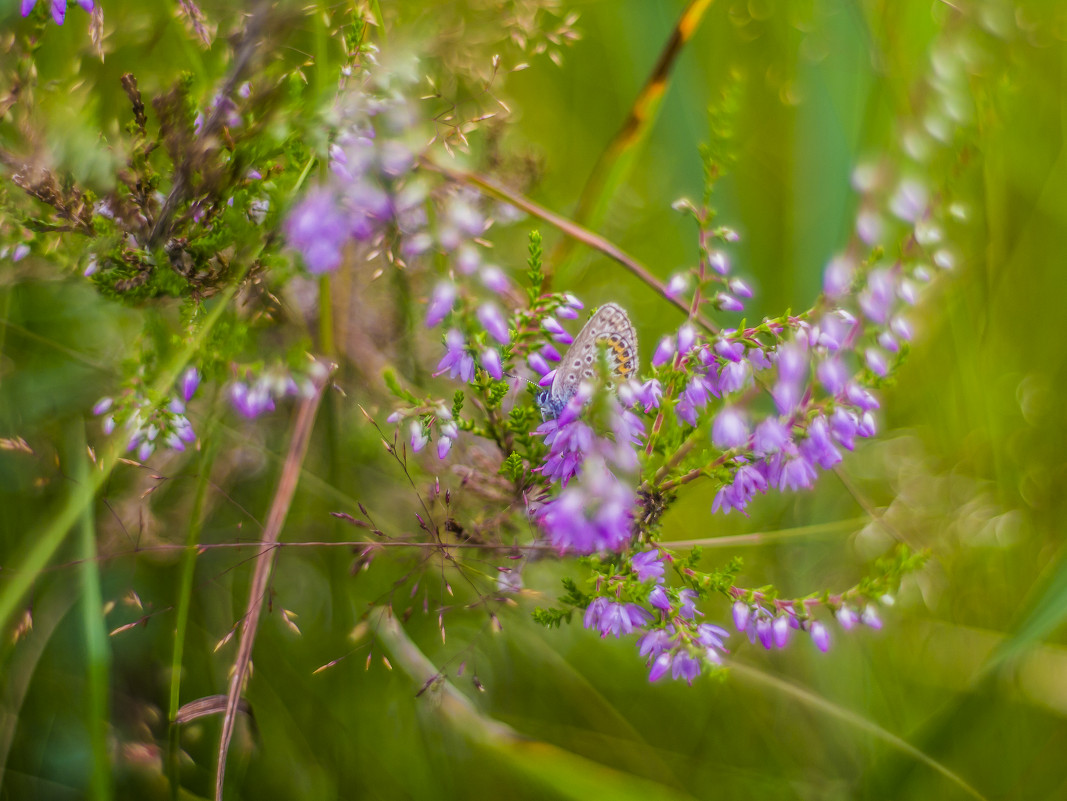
[
  {"x": 102, "y": 405},
  {"x": 837, "y": 278},
  {"x": 780, "y": 630},
  {"x": 870, "y": 618},
  {"x": 648, "y": 565},
  {"x": 609, "y": 617},
  {"x": 832, "y": 375},
  {"x": 770, "y": 437},
  {"x": 734, "y": 377},
  {"x": 556, "y": 331},
  {"x": 739, "y": 287},
  {"x": 189, "y": 382},
  {"x": 686, "y": 338},
  {"x": 593, "y": 514},
  {"x": 729, "y": 429},
  {"x": 888, "y": 342},
  {"x": 719, "y": 263},
  {"x": 741, "y": 612},
  {"x": 491, "y": 362},
  {"x": 538, "y": 364},
  {"x": 664, "y": 351},
  {"x": 818, "y": 447},
  {"x": 877, "y": 298},
  {"x": 728, "y": 303},
  {"x": 444, "y": 296},
  {"x": 876, "y": 362},
  {"x": 457, "y": 361},
  {"x": 655, "y": 642},
  {"x": 820, "y": 635},
  {"x": 685, "y": 667},
  {"x": 796, "y": 473},
  {"x": 318, "y": 230},
  {"x": 59, "y": 8},
  {"x": 490, "y": 316},
  {"x": 687, "y": 604},
  {"x": 678, "y": 283},
  {"x": 649, "y": 394},
  {"x": 730, "y": 350},
  {"x": 658, "y": 598},
  {"x": 494, "y": 279},
  {"x": 846, "y": 617},
  {"x": 660, "y": 666},
  {"x": 550, "y": 353},
  {"x": 419, "y": 440}
]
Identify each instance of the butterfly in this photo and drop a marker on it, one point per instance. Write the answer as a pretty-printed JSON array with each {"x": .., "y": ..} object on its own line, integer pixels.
[{"x": 609, "y": 326}]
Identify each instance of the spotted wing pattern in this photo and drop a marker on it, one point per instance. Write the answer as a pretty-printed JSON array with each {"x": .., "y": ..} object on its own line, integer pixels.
[{"x": 609, "y": 326}]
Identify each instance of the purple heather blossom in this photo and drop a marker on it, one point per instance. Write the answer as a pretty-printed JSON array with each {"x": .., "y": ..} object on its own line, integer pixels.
[
  {"x": 467, "y": 258},
  {"x": 846, "y": 617},
  {"x": 792, "y": 362},
  {"x": 678, "y": 283},
  {"x": 189, "y": 383},
  {"x": 719, "y": 263},
  {"x": 858, "y": 396},
  {"x": 556, "y": 331},
  {"x": 796, "y": 473},
  {"x": 888, "y": 342},
  {"x": 902, "y": 328},
  {"x": 109, "y": 424},
  {"x": 685, "y": 667},
  {"x": 318, "y": 230},
  {"x": 843, "y": 426},
  {"x": 870, "y": 618},
  {"x": 491, "y": 362},
  {"x": 876, "y": 362},
  {"x": 770, "y": 437},
  {"x": 687, "y": 604},
  {"x": 494, "y": 279},
  {"x": 731, "y": 350},
  {"x": 909, "y": 201},
  {"x": 832, "y": 375},
  {"x": 658, "y": 598},
  {"x": 649, "y": 394},
  {"x": 741, "y": 612},
  {"x": 837, "y": 279},
  {"x": 648, "y": 565},
  {"x": 664, "y": 351},
  {"x": 758, "y": 359},
  {"x": 660, "y": 666},
  {"x": 21, "y": 251},
  {"x": 547, "y": 379},
  {"x": 687, "y": 336},
  {"x": 780, "y": 629},
  {"x": 739, "y": 288},
  {"x": 593, "y": 514},
  {"x": 818, "y": 447},
  {"x": 869, "y": 226},
  {"x": 441, "y": 301},
  {"x": 419, "y": 439},
  {"x": 908, "y": 292},
  {"x": 748, "y": 480},
  {"x": 538, "y": 364},
  {"x": 877, "y": 298},
  {"x": 609, "y": 617},
  {"x": 550, "y": 353},
  {"x": 729, "y": 429},
  {"x": 728, "y": 303},
  {"x": 251, "y": 401},
  {"x": 59, "y": 8},
  {"x": 102, "y": 405},
  {"x": 490, "y": 316},
  {"x": 820, "y": 635},
  {"x": 457, "y": 361},
  {"x": 734, "y": 377},
  {"x": 656, "y": 642}
]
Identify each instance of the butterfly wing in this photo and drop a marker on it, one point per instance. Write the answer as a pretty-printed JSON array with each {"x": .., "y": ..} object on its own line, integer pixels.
[{"x": 609, "y": 326}]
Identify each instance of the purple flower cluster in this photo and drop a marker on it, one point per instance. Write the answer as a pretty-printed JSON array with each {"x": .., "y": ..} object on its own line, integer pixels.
[
  {"x": 255, "y": 392},
  {"x": 420, "y": 429},
  {"x": 773, "y": 629},
  {"x": 595, "y": 511},
  {"x": 150, "y": 426},
  {"x": 59, "y": 8}
]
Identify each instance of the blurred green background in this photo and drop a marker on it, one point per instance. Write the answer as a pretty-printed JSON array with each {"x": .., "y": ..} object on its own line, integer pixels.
[{"x": 970, "y": 671}]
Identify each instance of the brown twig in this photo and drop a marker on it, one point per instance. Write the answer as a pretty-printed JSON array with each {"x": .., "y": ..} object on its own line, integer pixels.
[{"x": 298, "y": 445}]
